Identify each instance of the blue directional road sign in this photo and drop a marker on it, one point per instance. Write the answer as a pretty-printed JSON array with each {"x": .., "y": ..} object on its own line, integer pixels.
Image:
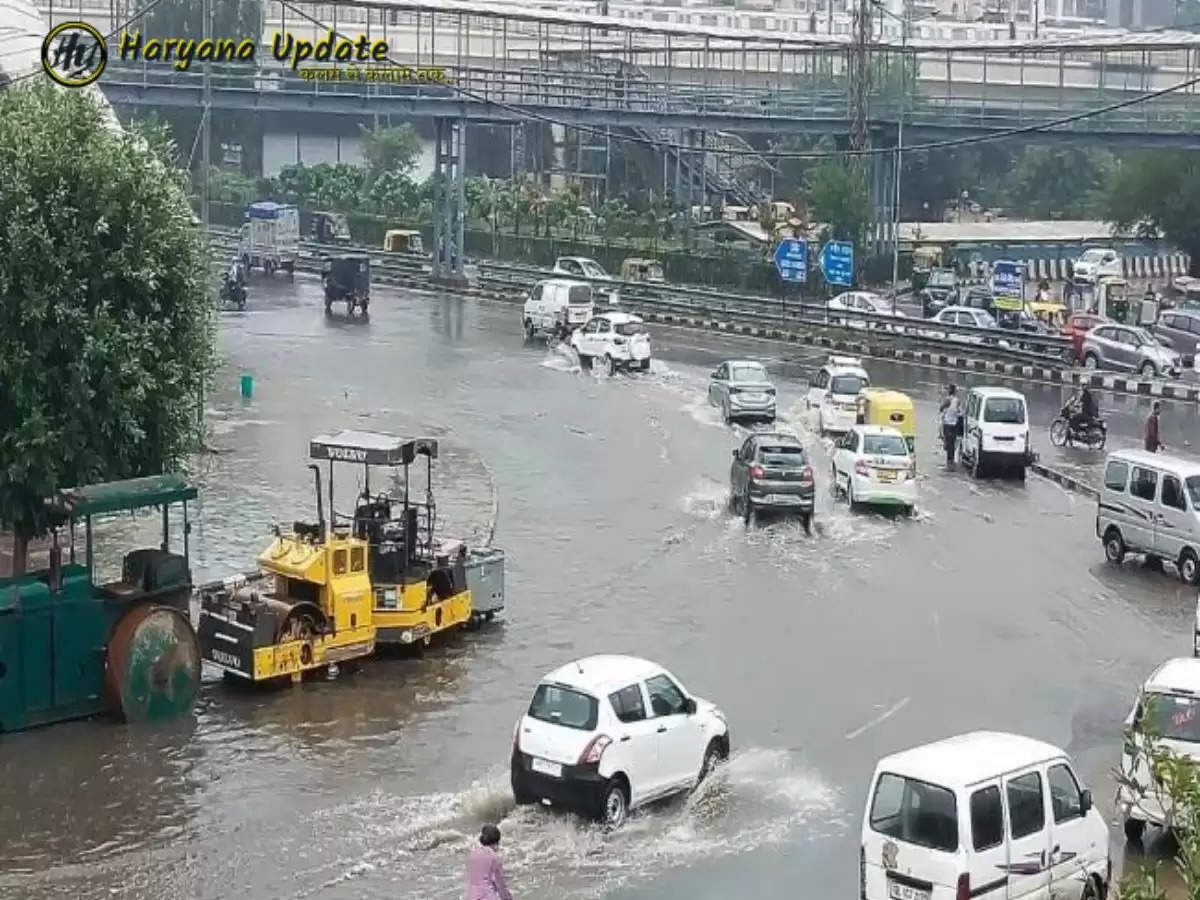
[
  {"x": 791, "y": 259},
  {"x": 837, "y": 262},
  {"x": 1008, "y": 284}
]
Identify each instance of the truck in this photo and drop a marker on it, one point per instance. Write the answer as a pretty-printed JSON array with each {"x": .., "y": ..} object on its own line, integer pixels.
[{"x": 270, "y": 237}]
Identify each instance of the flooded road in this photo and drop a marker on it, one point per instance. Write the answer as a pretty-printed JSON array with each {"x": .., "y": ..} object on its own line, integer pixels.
[{"x": 992, "y": 608}]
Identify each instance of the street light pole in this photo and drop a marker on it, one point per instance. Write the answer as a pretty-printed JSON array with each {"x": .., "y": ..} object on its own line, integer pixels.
[{"x": 899, "y": 155}]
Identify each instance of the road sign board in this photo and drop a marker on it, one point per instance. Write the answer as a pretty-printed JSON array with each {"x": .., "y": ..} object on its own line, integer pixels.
[
  {"x": 837, "y": 262},
  {"x": 1008, "y": 284},
  {"x": 791, "y": 259}
]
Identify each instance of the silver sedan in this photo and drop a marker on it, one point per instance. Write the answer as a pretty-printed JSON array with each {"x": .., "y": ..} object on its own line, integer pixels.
[{"x": 741, "y": 389}]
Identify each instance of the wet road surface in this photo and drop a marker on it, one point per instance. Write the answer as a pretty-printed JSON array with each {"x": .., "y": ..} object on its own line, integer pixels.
[{"x": 993, "y": 608}]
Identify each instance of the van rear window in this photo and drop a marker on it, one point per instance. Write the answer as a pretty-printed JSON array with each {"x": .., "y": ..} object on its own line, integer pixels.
[
  {"x": 915, "y": 812},
  {"x": 1006, "y": 410},
  {"x": 579, "y": 295},
  {"x": 560, "y": 705}
]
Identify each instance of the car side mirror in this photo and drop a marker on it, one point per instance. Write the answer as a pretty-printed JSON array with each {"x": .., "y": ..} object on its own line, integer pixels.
[
  {"x": 689, "y": 706},
  {"x": 715, "y": 375},
  {"x": 1085, "y": 801},
  {"x": 735, "y": 454}
]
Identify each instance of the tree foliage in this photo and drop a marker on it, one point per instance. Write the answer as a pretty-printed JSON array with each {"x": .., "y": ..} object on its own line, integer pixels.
[
  {"x": 389, "y": 149},
  {"x": 1054, "y": 181},
  {"x": 106, "y": 306},
  {"x": 1159, "y": 193},
  {"x": 838, "y": 196}
]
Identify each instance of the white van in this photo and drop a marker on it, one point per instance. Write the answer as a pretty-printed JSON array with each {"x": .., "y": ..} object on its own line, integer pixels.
[
  {"x": 556, "y": 307},
  {"x": 987, "y": 815},
  {"x": 996, "y": 434},
  {"x": 1148, "y": 504}
]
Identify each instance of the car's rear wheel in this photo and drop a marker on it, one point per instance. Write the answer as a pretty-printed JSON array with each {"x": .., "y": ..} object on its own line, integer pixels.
[
  {"x": 1090, "y": 361},
  {"x": 585, "y": 362},
  {"x": 806, "y": 521},
  {"x": 1189, "y": 567},
  {"x": 614, "y": 807},
  {"x": 747, "y": 509},
  {"x": 645, "y": 365},
  {"x": 610, "y": 364},
  {"x": 1134, "y": 829},
  {"x": 850, "y": 501}
]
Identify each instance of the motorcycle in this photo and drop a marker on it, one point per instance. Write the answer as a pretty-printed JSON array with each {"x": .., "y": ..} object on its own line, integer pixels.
[
  {"x": 233, "y": 293},
  {"x": 1091, "y": 435}
]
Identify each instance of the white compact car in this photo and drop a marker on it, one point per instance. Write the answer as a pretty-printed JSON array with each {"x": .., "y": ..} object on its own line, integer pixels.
[
  {"x": 984, "y": 815},
  {"x": 1168, "y": 706},
  {"x": 582, "y": 266},
  {"x": 619, "y": 339},
  {"x": 842, "y": 307},
  {"x": 1097, "y": 263},
  {"x": 607, "y": 734},
  {"x": 872, "y": 464},
  {"x": 833, "y": 394}
]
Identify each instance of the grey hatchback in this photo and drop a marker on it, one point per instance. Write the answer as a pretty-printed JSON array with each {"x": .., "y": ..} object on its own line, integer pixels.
[{"x": 771, "y": 472}]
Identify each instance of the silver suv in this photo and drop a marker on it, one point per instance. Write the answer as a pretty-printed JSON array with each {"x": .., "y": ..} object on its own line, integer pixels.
[{"x": 1124, "y": 347}]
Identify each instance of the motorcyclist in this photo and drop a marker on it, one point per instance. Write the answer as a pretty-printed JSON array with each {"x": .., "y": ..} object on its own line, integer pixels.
[{"x": 1086, "y": 410}]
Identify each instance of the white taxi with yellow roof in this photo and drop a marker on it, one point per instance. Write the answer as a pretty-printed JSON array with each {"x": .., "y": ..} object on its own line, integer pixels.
[
  {"x": 982, "y": 815},
  {"x": 833, "y": 394},
  {"x": 872, "y": 464}
]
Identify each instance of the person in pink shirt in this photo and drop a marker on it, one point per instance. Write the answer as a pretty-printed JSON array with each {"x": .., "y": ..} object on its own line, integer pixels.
[{"x": 485, "y": 875}]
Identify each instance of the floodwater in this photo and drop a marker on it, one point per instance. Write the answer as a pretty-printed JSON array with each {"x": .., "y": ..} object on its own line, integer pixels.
[{"x": 992, "y": 608}]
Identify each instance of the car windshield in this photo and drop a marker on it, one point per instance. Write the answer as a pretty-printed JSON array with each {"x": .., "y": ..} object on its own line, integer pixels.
[
  {"x": 579, "y": 295},
  {"x": 847, "y": 384},
  {"x": 1172, "y": 717},
  {"x": 915, "y": 812},
  {"x": 941, "y": 279},
  {"x": 782, "y": 455},
  {"x": 1004, "y": 410},
  {"x": 630, "y": 328},
  {"x": 561, "y": 705},
  {"x": 592, "y": 270},
  {"x": 884, "y": 445},
  {"x": 754, "y": 374},
  {"x": 1093, "y": 255}
]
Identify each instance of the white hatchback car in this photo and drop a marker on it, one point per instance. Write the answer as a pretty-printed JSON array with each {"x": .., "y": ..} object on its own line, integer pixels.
[
  {"x": 872, "y": 464},
  {"x": 619, "y": 339},
  {"x": 607, "y": 734},
  {"x": 833, "y": 394}
]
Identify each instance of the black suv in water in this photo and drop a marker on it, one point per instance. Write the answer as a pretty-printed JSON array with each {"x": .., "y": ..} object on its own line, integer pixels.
[{"x": 771, "y": 472}]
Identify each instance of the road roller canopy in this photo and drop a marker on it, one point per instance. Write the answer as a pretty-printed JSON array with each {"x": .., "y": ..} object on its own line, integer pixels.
[
  {"x": 114, "y": 496},
  {"x": 372, "y": 448}
]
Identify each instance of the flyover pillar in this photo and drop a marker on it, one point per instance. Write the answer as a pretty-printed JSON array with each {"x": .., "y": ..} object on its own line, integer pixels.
[{"x": 449, "y": 197}]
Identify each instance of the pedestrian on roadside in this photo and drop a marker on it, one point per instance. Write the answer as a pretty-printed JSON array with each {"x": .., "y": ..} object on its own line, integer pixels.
[
  {"x": 485, "y": 875},
  {"x": 1153, "y": 444},
  {"x": 951, "y": 413}
]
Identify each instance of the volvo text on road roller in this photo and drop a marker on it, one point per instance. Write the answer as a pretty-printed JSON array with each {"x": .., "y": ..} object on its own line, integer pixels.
[
  {"x": 330, "y": 591},
  {"x": 74, "y": 643}
]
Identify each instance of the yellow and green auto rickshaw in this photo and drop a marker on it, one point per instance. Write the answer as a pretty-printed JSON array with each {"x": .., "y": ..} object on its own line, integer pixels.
[
  {"x": 881, "y": 406},
  {"x": 403, "y": 240},
  {"x": 635, "y": 269}
]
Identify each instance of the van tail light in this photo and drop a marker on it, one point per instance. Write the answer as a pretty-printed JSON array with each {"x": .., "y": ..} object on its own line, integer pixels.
[
  {"x": 806, "y": 475},
  {"x": 756, "y": 471},
  {"x": 862, "y": 873},
  {"x": 862, "y": 468},
  {"x": 964, "y": 887},
  {"x": 595, "y": 749}
]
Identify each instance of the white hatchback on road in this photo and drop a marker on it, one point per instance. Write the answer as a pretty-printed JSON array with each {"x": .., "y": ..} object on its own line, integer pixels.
[
  {"x": 872, "y": 464},
  {"x": 607, "y": 734},
  {"x": 618, "y": 339}
]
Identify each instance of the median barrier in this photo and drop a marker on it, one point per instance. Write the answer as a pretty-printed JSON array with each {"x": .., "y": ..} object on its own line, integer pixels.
[{"x": 1070, "y": 482}]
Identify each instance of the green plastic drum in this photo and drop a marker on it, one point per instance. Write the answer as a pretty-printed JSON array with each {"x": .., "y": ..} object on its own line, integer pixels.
[{"x": 153, "y": 664}]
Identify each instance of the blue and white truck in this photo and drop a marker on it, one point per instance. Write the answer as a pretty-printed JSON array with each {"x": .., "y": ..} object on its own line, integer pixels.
[{"x": 270, "y": 238}]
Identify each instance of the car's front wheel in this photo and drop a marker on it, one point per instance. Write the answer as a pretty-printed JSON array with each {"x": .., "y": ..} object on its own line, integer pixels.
[
  {"x": 714, "y": 755},
  {"x": 614, "y": 807},
  {"x": 1148, "y": 370}
]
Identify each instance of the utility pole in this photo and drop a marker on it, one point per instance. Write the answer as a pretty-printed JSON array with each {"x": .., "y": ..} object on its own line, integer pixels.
[
  {"x": 206, "y": 123},
  {"x": 860, "y": 78},
  {"x": 900, "y": 150}
]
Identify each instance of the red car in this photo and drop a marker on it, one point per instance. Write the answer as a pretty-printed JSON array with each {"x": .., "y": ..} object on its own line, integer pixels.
[{"x": 1077, "y": 328}]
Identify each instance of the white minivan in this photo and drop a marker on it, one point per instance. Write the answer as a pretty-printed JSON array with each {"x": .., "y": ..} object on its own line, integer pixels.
[
  {"x": 996, "y": 434},
  {"x": 1148, "y": 504},
  {"x": 982, "y": 815},
  {"x": 556, "y": 307}
]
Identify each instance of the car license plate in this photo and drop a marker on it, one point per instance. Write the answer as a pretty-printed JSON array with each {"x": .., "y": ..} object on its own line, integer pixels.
[
  {"x": 898, "y": 891},
  {"x": 545, "y": 767},
  {"x": 754, "y": 397},
  {"x": 783, "y": 499},
  {"x": 886, "y": 476}
]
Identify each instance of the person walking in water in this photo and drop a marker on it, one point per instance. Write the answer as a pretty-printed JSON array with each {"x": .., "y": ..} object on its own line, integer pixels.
[
  {"x": 951, "y": 412},
  {"x": 1153, "y": 444},
  {"x": 485, "y": 875}
]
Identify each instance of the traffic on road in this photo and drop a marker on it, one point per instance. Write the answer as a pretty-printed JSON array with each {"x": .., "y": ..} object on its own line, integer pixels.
[{"x": 729, "y": 622}]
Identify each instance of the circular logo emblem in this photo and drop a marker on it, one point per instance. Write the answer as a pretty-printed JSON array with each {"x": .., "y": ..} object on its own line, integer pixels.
[{"x": 74, "y": 54}]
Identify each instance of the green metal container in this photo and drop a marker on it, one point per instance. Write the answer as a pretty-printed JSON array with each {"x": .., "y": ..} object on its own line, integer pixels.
[{"x": 247, "y": 386}]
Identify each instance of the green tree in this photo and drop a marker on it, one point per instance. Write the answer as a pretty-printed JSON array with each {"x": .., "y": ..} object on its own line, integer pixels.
[
  {"x": 389, "y": 149},
  {"x": 839, "y": 198},
  {"x": 395, "y": 194},
  {"x": 335, "y": 186},
  {"x": 106, "y": 306},
  {"x": 1157, "y": 193},
  {"x": 1068, "y": 182}
]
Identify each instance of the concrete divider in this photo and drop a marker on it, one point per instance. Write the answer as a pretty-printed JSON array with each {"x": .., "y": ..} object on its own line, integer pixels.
[{"x": 1070, "y": 482}]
